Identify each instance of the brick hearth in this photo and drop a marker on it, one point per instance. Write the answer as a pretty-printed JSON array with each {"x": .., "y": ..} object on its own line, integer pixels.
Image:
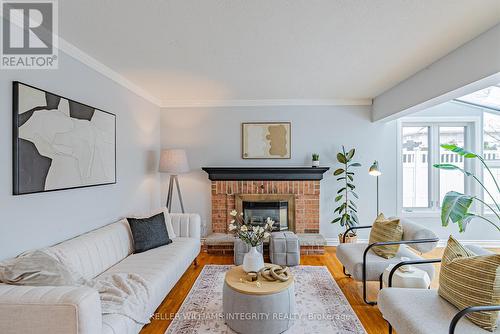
[{"x": 306, "y": 194}]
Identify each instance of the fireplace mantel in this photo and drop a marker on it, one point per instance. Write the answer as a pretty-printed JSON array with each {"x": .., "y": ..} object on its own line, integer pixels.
[{"x": 265, "y": 173}]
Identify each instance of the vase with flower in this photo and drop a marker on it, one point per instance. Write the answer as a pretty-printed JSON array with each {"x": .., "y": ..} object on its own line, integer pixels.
[{"x": 252, "y": 235}]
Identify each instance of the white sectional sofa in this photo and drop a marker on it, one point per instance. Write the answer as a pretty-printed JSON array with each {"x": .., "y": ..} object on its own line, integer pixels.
[{"x": 68, "y": 310}]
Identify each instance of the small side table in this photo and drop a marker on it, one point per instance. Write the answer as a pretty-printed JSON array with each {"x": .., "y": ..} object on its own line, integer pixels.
[
  {"x": 417, "y": 279},
  {"x": 266, "y": 308}
]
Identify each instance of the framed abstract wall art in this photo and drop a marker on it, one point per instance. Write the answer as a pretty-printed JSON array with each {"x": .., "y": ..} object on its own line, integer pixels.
[
  {"x": 269, "y": 140},
  {"x": 59, "y": 143}
]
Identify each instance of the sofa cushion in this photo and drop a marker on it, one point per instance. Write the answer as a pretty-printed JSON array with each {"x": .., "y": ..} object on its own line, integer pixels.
[
  {"x": 161, "y": 267},
  {"x": 351, "y": 256},
  {"x": 149, "y": 233},
  {"x": 384, "y": 230},
  {"x": 119, "y": 324},
  {"x": 186, "y": 225},
  {"x": 427, "y": 312},
  {"x": 469, "y": 280},
  {"x": 92, "y": 253}
]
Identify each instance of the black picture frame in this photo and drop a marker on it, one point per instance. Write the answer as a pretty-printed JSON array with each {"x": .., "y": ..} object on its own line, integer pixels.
[{"x": 16, "y": 189}]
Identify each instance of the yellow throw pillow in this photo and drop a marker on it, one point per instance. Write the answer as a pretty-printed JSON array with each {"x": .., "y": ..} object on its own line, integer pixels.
[
  {"x": 467, "y": 279},
  {"x": 383, "y": 230}
]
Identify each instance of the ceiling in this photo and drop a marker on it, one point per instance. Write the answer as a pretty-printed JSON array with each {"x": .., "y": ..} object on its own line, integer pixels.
[{"x": 237, "y": 50}]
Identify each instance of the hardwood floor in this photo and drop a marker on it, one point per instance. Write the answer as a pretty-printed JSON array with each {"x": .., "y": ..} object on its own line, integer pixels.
[{"x": 369, "y": 315}]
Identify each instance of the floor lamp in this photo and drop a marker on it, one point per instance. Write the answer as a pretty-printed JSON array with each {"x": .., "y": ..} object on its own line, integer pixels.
[
  {"x": 375, "y": 171},
  {"x": 174, "y": 162}
]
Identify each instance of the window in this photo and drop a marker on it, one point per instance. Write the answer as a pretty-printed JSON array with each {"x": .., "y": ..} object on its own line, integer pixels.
[
  {"x": 491, "y": 152},
  {"x": 451, "y": 179},
  {"x": 423, "y": 187},
  {"x": 415, "y": 147}
]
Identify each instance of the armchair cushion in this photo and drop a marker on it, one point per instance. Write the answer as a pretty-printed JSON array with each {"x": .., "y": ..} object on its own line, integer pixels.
[
  {"x": 413, "y": 231},
  {"x": 384, "y": 230},
  {"x": 470, "y": 280},
  {"x": 351, "y": 256},
  {"x": 427, "y": 312}
]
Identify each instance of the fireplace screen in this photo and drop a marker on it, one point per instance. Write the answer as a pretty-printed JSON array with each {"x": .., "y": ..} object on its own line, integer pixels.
[{"x": 256, "y": 213}]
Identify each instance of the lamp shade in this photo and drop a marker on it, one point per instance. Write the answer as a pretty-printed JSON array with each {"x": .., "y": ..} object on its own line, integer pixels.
[
  {"x": 374, "y": 170},
  {"x": 174, "y": 161}
]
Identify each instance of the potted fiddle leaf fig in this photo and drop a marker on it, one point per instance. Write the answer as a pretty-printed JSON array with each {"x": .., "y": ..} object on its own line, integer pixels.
[
  {"x": 347, "y": 210},
  {"x": 456, "y": 206}
]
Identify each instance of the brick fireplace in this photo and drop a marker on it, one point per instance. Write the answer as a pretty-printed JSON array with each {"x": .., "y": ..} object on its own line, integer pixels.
[
  {"x": 305, "y": 193},
  {"x": 298, "y": 186}
]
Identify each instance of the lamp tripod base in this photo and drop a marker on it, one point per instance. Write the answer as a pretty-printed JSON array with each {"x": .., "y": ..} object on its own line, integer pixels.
[{"x": 173, "y": 179}]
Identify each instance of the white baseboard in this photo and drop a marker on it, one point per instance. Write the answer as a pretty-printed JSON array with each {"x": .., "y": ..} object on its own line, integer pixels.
[{"x": 441, "y": 243}]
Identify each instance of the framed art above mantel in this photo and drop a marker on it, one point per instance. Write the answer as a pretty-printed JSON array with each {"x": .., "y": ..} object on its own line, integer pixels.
[
  {"x": 59, "y": 143},
  {"x": 266, "y": 140}
]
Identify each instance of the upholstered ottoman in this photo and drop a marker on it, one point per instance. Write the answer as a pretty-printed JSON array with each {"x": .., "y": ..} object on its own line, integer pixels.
[
  {"x": 284, "y": 249},
  {"x": 250, "y": 308},
  {"x": 241, "y": 248}
]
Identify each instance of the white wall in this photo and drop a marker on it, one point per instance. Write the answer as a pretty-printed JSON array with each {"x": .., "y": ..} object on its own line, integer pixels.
[
  {"x": 38, "y": 220},
  {"x": 212, "y": 137}
]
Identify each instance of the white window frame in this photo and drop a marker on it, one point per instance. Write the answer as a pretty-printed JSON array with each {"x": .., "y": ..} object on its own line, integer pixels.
[
  {"x": 473, "y": 140},
  {"x": 491, "y": 163}
]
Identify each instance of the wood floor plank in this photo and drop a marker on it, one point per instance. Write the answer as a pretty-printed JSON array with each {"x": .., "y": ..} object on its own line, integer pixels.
[{"x": 369, "y": 315}]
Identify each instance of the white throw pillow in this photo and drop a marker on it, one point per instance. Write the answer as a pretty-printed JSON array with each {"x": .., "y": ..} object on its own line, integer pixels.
[{"x": 36, "y": 269}]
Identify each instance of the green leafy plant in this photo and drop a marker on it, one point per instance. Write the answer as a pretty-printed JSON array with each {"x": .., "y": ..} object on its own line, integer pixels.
[
  {"x": 347, "y": 210},
  {"x": 456, "y": 206},
  {"x": 315, "y": 157}
]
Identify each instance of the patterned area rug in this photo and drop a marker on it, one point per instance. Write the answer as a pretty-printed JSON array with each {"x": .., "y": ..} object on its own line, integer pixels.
[{"x": 320, "y": 305}]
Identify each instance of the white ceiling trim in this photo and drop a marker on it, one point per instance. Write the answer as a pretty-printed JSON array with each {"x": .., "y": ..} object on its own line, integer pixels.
[
  {"x": 265, "y": 102},
  {"x": 99, "y": 67}
]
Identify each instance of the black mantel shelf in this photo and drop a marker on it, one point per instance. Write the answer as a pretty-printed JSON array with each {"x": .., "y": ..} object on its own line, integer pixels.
[{"x": 265, "y": 173}]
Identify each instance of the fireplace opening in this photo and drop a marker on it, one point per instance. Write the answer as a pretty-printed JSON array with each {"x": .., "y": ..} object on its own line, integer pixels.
[
  {"x": 256, "y": 214},
  {"x": 257, "y": 207}
]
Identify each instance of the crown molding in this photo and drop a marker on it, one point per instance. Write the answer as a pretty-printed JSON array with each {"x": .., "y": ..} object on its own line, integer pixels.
[
  {"x": 264, "y": 103},
  {"x": 76, "y": 53}
]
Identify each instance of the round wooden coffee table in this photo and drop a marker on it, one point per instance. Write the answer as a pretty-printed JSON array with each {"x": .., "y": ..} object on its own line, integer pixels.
[{"x": 267, "y": 307}]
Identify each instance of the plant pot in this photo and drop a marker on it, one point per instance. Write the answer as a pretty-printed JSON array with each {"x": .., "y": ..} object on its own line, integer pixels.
[
  {"x": 315, "y": 163},
  {"x": 253, "y": 261},
  {"x": 349, "y": 239}
]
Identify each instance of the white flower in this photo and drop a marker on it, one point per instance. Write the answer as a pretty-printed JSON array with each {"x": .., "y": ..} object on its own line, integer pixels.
[
  {"x": 266, "y": 235},
  {"x": 232, "y": 221},
  {"x": 244, "y": 228},
  {"x": 260, "y": 229},
  {"x": 234, "y": 213},
  {"x": 269, "y": 226},
  {"x": 232, "y": 227}
]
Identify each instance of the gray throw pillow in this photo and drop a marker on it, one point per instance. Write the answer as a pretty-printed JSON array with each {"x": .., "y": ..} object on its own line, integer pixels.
[
  {"x": 149, "y": 233},
  {"x": 36, "y": 269}
]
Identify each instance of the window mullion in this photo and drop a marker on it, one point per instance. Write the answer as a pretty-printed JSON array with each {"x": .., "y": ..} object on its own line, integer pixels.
[{"x": 434, "y": 172}]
